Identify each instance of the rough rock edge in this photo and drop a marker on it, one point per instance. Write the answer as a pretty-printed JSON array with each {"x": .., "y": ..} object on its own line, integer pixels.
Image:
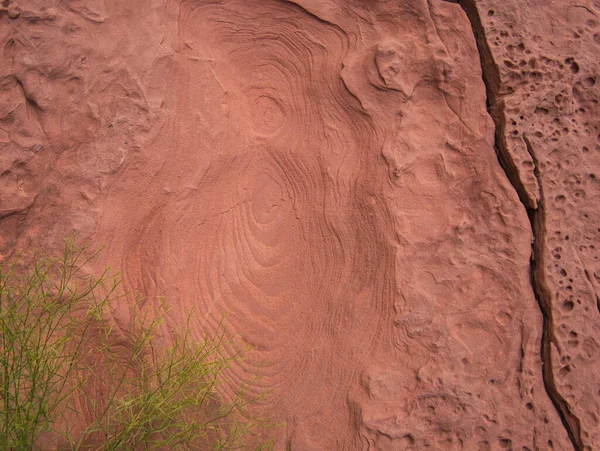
[{"x": 491, "y": 78}]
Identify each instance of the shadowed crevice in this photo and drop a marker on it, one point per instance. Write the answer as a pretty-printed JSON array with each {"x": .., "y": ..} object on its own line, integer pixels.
[{"x": 495, "y": 106}]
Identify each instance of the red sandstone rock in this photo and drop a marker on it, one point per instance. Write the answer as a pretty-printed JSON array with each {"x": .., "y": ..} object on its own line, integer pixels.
[
  {"x": 545, "y": 64},
  {"x": 325, "y": 172}
]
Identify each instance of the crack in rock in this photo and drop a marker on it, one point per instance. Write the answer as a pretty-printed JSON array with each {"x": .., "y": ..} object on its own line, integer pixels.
[{"x": 535, "y": 210}]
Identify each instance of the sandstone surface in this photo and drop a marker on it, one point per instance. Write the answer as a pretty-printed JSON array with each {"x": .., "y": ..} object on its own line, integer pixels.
[{"x": 356, "y": 184}]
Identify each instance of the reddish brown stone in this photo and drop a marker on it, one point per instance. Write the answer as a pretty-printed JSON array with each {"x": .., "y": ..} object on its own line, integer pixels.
[{"x": 326, "y": 173}]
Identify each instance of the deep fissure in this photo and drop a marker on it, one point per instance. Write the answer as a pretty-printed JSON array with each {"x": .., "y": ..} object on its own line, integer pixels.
[{"x": 491, "y": 79}]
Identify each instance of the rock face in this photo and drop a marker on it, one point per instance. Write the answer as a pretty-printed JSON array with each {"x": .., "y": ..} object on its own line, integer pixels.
[
  {"x": 325, "y": 172},
  {"x": 545, "y": 104}
]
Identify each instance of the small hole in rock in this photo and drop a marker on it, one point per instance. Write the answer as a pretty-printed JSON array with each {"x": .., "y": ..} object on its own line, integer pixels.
[
  {"x": 564, "y": 371},
  {"x": 408, "y": 439}
]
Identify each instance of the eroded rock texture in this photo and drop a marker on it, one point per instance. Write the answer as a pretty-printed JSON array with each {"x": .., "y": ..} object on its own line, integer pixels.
[
  {"x": 325, "y": 173},
  {"x": 545, "y": 101}
]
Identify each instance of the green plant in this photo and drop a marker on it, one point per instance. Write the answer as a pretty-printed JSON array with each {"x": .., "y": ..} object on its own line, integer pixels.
[
  {"x": 148, "y": 398},
  {"x": 70, "y": 379},
  {"x": 43, "y": 323}
]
